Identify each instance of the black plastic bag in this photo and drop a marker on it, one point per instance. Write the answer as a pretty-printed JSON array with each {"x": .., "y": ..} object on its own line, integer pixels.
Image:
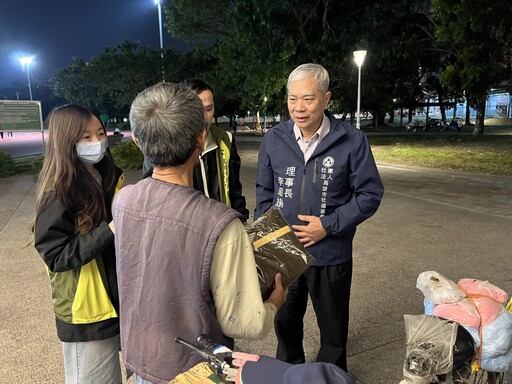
[{"x": 277, "y": 249}]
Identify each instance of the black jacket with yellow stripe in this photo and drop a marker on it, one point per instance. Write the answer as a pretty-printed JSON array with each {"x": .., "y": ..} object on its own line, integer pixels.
[
  {"x": 82, "y": 271},
  {"x": 217, "y": 173}
]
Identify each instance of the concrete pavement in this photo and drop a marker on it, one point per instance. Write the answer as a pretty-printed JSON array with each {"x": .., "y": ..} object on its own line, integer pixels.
[
  {"x": 23, "y": 144},
  {"x": 458, "y": 224}
]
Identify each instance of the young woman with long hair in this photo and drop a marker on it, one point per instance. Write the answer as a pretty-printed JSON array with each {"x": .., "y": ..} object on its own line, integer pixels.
[{"x": 77, "y": 183}]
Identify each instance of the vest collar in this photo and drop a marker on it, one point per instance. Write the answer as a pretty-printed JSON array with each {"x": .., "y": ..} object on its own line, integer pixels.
[{"x": 210, "y": 144}]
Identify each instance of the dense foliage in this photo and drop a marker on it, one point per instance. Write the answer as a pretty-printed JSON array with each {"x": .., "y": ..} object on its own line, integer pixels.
[
  {"x": 7, "y": 165},
  {"x": 446, "y": 49},
  {"x": 127, "y": 155},
  {"x": 110, "y": 81}
]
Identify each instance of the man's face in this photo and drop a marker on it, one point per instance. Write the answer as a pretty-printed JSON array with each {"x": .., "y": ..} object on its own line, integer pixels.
[
  {"x": 209, "y": 106},
  {"x": 306, "y": 104}
]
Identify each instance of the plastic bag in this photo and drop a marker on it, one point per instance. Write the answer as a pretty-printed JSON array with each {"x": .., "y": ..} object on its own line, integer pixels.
[
  {"x": 483, "y": 288},
  {"x": 438, "y": 289},
  {"x": 463, "y": 312},
  {"x": 501, "y": 363},
  {"x": 429, "y": 351},
  {"x": 470, "y": 312},
  {"x": 277, "y": 249},
  {"x": 509, "y": 306},
  {"x": 497, "y": 341}
]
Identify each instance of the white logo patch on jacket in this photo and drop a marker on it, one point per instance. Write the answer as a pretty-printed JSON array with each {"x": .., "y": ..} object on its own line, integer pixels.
[{"x": 328, "y": 162}]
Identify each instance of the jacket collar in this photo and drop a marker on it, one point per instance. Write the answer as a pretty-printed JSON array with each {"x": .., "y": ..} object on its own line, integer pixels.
[
  {"x": 337, "y": 130},
  {"x": 210, "y": 144}
]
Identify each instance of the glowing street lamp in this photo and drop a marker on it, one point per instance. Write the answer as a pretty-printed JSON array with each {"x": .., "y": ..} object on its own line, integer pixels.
[
  {"x": 26, "y": 61},
  {"x": 265, "y": 118},
  {"x": 158, "y": 3},
  {"x": 359, "y": 59}
]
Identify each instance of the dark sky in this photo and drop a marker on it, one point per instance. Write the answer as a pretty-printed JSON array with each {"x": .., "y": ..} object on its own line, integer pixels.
[{"x": 55, "y": 31}]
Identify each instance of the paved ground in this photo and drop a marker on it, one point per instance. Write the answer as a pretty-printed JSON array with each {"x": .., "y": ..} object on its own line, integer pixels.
[
  {"x": 458, "y": 224},
  {"x": 23, "y": 144}
]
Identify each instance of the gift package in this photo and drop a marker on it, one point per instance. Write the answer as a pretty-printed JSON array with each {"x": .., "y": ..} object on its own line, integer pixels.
[{"x": 277, "y": 249}]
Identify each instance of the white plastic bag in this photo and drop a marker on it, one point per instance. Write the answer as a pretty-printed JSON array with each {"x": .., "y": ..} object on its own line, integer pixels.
[
  {"x": 429, "y": 351},
  {"x": 438, "y": 289}
]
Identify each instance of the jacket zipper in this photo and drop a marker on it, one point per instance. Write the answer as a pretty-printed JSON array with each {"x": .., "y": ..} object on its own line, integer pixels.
[
  {"x": 303, "y": 185},
  {"x": 315, "y": 171},
  {"x": 203, "y": 174}
]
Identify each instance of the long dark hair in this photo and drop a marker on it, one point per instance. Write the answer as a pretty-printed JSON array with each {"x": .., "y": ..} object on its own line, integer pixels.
[{"x": 63, "y": 174}]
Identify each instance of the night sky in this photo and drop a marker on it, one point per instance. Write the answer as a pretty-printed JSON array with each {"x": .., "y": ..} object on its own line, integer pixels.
[{"x": 55, "y": 31}]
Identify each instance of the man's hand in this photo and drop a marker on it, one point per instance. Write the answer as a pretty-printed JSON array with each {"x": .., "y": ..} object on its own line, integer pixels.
[
  {"x": 311, "y": 233},
  {"x": 278, "y": 296},
  {"x": 239, "y": 359}
]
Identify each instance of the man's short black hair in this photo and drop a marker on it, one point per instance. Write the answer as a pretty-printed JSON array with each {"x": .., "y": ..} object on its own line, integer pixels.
[{"x": 197, "y": 85}]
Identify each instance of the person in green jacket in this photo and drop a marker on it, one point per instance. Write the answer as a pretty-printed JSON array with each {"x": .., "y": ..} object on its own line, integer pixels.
[
  {"x": 217, "y": 173},
  {"x": 73, "y": 235}
]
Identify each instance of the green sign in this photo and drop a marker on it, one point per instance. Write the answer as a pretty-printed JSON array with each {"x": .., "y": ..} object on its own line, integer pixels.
[
  {"x": 104, "y": 118},
  {"x": 20, "y": 115}
]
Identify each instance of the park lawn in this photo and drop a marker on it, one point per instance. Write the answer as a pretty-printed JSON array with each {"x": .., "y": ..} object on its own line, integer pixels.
[{"x": 488, "y": 154}]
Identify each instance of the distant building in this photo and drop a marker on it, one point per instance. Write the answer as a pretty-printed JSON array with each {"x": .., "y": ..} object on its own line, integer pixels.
[{"x": 498, "y": 104}]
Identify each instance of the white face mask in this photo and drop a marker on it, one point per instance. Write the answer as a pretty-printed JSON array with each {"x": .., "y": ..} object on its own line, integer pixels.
[{"x": 91, "y": 152}]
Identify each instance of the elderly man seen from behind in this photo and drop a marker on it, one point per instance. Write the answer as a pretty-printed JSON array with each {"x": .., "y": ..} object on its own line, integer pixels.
[{"x": 185, "y": 263}]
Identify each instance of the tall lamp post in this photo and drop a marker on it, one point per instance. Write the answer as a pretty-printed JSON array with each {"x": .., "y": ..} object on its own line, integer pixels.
[
  {"x": 158, "y": 3},
  {"x": 265, "y": 121},
  {"x": 359, "y": 59},
  {"x": 26, "y": 61}
]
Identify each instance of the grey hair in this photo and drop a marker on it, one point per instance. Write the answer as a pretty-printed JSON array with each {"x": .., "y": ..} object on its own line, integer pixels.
[
  {"x": 316, "y": 71},
  {"x": 166, "y": 119}
]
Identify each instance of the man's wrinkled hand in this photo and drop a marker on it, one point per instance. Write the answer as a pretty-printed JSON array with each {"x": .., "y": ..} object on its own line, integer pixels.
[
  {"x": 312, "y": 232},
  {"x": 278, "y": 296}
]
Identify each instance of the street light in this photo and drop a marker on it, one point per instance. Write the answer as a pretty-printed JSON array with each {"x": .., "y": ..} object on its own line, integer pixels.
[
  {"x": 159, "y": 5},
  {"x": 26, "y": 61},
  {"x": 265, "y": 121},
  {"x": 359, "y": 59}
]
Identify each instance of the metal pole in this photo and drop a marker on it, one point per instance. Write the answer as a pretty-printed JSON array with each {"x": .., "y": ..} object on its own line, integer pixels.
[
  {"x": 358, "y": 121},
  {"x": 161, "y": 39},
  {"x": 29, "y": 86}
]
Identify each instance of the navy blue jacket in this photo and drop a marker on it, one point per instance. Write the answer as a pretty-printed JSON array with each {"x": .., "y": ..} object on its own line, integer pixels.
[{"x": 340, "y": 183}]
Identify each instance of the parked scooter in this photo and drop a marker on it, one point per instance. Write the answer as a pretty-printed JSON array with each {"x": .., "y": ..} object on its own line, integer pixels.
[
  {"x": 455, "y": 125},
  {"x": 415, "y": 126},
  {"x": 435, "y": 125}
]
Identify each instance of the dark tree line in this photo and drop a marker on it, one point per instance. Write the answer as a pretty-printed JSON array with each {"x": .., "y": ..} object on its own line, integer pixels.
[{"x": 246, "y": 49}]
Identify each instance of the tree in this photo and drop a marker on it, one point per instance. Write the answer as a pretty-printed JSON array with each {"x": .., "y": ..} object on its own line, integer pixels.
[
  {"x": 74, "y": 84},
  {"x": 199, "y": 22},
  {"x": 254, "y": 44},
  {"x": 476, "y": 42},
  {"x": 110, "y": 81},
  {"x": 254, "y": 49}
]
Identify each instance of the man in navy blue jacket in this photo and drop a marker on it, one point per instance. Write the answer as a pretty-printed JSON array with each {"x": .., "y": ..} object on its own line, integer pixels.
[{"x": 322, "y": 174}]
